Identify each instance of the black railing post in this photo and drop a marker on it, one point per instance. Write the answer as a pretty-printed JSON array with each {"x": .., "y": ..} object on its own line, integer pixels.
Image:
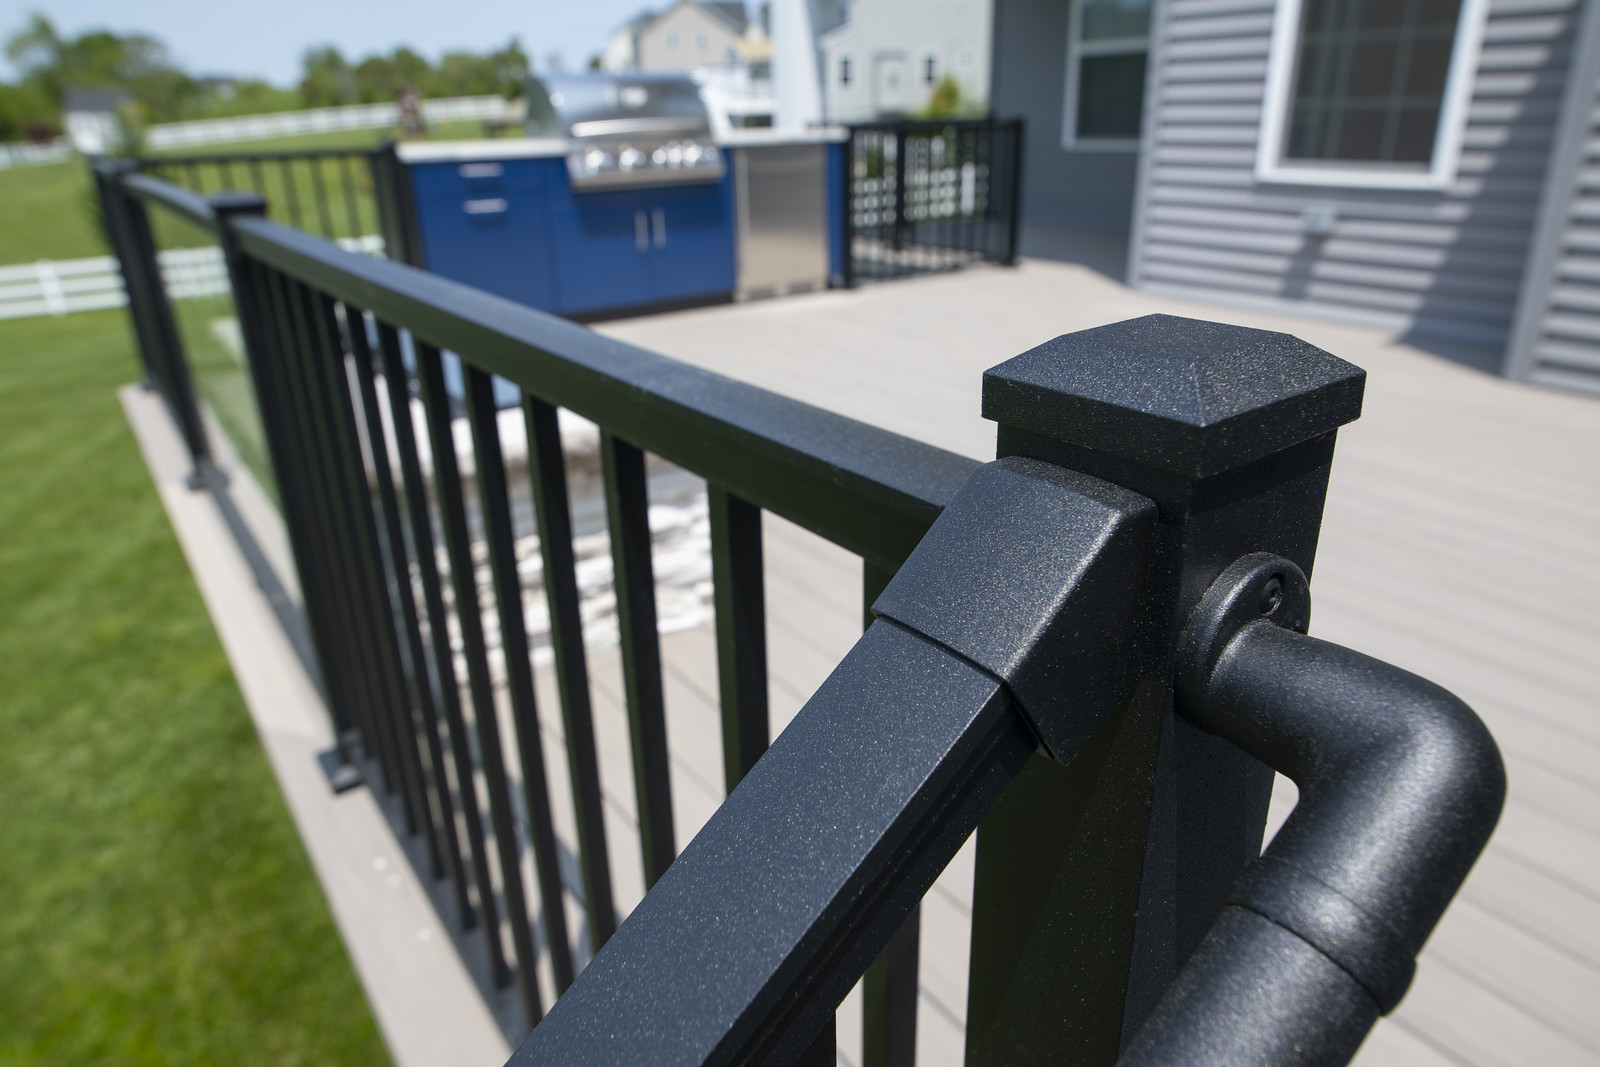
[
  {"x": 1096, "y": 881},
  {"x": 397, "y": 213},
  {"x": 849, "y": 195},
  {"x": 902, "y": 150},
  {"x": 105, "y": 174},
  {"x": 1014, "y": 157},
  {"x": 128, "y": 225}
]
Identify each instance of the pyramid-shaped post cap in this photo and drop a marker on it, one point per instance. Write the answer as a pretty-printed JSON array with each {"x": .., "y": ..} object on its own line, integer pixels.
[{"x": 1187, "y": 396}]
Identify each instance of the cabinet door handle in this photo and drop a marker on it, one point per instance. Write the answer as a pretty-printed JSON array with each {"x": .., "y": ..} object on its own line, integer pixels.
[
  {"x": 661, "y": 228},
  {"x": 641, "y": 232}
]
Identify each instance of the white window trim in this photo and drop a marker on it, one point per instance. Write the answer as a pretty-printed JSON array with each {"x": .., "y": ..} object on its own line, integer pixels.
[
  {"x": 1077, "y": 48},
  {"x": 1441, "y": 171}
]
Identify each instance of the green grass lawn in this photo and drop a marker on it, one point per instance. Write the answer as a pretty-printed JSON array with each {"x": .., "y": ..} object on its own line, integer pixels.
[
  {"x": 47, "y": 213},
  {"x": 158, "y": 906}
]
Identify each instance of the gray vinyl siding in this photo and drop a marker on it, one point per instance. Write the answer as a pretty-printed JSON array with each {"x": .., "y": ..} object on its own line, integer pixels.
[
  {"x": 1557, "y": 341},
  {"x": 1433, "y": 264},
  {"x": 1076, "y": 190}
]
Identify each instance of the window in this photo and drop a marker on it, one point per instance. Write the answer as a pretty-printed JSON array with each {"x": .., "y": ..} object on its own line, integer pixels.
[
  {"x": 1107, "y": 45},
  {"x": 930, "y": 68},
  {"x": 844, "y": 70},
  {"x": 672, "y": 38},
  {"x": 702, "y": 38},
  {"x": 1368, "y": 92}
]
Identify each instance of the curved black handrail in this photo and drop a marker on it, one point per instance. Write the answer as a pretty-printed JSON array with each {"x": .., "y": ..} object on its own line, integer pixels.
[{"x": 1400, "y": 788}]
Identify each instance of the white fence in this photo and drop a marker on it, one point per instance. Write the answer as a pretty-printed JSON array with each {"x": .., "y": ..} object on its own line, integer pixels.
[
  {"x": 316, "y": 120},
  {"x": 27, "y": 154},
  {"x": 57, "y": 287}
]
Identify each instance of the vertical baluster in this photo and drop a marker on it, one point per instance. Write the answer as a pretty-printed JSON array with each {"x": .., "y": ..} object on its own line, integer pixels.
[
  {"x": 737, "y": 588},
  {"x": 443, "y": 655},
  {"x": 290, "y": 192},
  {"x": 469, "y": 614},
  {"x": 627, "y": 507},
  {"x": 352, "y": 214},
  {"x": 355, "y": 665},
  {"x": 392, "y": 547},
  {"x": 256, "y": 176},
  {"x": 353, "y": 502},
  {"x": 319, "y": 189},
  {"x": 547, "y": 474},
  {"x": 889, "y": 988},
  {"x": 495, "y": 503}
]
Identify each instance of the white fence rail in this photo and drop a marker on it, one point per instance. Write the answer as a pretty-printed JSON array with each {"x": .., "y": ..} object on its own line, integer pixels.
[
  {"x": 59, "y": 287},
  {"x": 316, "y": 120},
  {"x": 28, "y": 154}
]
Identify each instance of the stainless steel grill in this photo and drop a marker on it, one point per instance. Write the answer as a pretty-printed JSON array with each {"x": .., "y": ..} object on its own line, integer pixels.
[{"x": 627, "y": 130}]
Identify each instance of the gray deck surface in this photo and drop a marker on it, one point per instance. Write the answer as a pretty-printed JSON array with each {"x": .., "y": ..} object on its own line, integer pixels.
[{"x": 1460, "y": 542}]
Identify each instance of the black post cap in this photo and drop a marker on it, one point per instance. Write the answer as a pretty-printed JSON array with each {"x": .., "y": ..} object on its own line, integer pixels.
[
  {"x": 1185, "y": 396},
  {"x": 238, "y": 202}
]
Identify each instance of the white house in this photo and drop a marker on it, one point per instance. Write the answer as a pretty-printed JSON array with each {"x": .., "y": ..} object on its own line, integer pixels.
[
  {"x": 90, "y": 116},
  {"x": 889, "y": 56},
  {"x": 689, "y": 35}
]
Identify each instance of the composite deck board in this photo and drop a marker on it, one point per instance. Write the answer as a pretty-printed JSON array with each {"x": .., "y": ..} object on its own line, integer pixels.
[{"x": 1461, "y": 541}]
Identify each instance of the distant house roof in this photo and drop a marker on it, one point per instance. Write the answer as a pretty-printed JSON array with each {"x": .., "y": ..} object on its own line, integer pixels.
[
  {"x": 95, "y": 100},
  {"x": 638, "y": 23},
  {"x": 730, "y": 11}
]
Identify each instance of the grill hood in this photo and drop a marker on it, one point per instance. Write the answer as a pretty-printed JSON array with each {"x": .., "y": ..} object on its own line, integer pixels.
[{"x": 632, "y": 129}]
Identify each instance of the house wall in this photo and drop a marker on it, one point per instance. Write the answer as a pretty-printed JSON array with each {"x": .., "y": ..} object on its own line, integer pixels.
[
  {"x": 1437, "y": 264},
  {"x": 685, "y": 38},
  {"x": 1557, "y": 339},
  {"x": 1081, "y": 189},
  {"x": 887, "y": 41}
]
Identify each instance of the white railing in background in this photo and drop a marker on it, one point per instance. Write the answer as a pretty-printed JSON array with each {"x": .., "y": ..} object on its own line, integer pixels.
[
  {"x": 58, "y": 287},
  {"x": 29, "y": 154},
  {"x": 167, "y": 135}
]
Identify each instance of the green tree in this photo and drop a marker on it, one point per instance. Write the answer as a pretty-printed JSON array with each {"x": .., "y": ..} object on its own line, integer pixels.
[
  {"x": 52, "y": 64},
  {"x": 326, "y": 79},
  {"x": 26, "y": 112},
  {"x": 946, "y": 99}
]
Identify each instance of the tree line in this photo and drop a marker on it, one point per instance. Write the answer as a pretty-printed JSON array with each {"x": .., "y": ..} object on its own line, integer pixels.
[{"x": 49, "y": 64}]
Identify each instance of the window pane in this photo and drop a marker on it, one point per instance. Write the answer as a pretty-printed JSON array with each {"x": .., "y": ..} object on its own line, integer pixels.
[
  {"x": 1369, "y": 79},
  {"x": 1106, "y": 20},
  {"x": 1110, "y": 95}
]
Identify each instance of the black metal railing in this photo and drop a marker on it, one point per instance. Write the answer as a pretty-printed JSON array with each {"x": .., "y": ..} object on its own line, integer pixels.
[
  {"x": 329, "y": 192},
  {"x": 1090, "y": 651},
  {"x": 930, "y": 196}
]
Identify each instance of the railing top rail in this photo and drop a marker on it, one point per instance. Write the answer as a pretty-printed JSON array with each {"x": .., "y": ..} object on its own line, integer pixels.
[
  {"x": 868, "y": 490},
  {"x": 247, "y": 156},
  {"x": 190, "y": 205},
  {"x": 920, "y": 125}
]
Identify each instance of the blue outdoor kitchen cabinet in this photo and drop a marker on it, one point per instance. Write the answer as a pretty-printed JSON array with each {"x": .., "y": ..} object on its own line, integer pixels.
[
  {"x": 516, "y": 227},
  {"x": 484, "y": 223}
]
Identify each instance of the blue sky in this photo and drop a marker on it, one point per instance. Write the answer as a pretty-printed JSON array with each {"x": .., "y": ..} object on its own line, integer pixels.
[{"x": 265, "y": 38}]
